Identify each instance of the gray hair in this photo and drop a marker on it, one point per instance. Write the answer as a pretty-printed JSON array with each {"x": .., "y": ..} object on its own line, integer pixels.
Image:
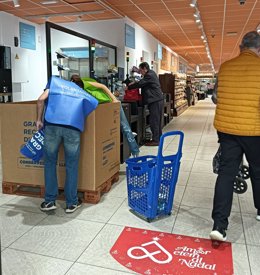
[{"x": 250, "y": 40}]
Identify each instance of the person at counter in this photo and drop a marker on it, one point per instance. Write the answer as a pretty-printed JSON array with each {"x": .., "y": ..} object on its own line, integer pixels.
[
  {"x": 152, "y": 96},
  {"x": 63, "y": 121}
]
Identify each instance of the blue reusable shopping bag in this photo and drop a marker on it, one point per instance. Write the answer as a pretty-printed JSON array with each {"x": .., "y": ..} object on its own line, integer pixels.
[
  {"x": 68, "y": 104},
  {"x": 33, "y": 149}
]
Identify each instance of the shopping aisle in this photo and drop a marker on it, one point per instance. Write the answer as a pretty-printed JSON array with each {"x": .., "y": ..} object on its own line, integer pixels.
[{"x": 36, "y": 243}]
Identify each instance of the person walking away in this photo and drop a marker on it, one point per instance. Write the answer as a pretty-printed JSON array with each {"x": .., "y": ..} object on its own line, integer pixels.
[
  {"x": 189, "y": 93},
  {"x": 237, "y": 120},
  {"x": 152, "y": 96}
]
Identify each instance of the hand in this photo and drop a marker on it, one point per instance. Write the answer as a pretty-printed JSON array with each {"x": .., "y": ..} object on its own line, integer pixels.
[
  {"x": 125, "y": 87},
  {"x": 116, "y": 93},
  {"x": 39, "y": 125}
]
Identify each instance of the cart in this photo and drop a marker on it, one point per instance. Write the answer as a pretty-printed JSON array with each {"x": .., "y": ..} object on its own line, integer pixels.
[
  {"x": 151, "y": 181},
  {"x": 240, "y": 185}
]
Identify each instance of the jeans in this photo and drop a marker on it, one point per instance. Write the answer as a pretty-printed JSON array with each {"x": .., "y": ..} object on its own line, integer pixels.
[
  {"x": 127, "y": 132},
  {"x": 54, "y": 135},
  {"x": 232, "y": 150}
]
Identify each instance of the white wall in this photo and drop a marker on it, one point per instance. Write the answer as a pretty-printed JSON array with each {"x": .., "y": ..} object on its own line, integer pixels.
[
  {"x": 113, "y": 32},
  {"x": 109, "y": 31},
  {"x": 31, "y": 67},
  {"x": 144, "y": 41},
  {"x": 145, "y": 45},
  {"x": 29, "y": 71}
]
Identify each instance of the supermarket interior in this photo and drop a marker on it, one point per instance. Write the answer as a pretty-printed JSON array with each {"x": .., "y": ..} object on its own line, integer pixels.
[{"x": 129, "y": 137}]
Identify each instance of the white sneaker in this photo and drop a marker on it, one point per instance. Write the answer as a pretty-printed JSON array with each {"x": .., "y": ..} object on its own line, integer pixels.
[
  {"x": 74, "y": 207},
  {"x": 218, "y": 234},
  {"x": 134, "y": 134},
  {"x": 258, "y": 215}
]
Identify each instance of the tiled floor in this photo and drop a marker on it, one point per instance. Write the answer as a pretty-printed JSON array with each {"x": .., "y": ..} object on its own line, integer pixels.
[{"x": 36, "y": 243}]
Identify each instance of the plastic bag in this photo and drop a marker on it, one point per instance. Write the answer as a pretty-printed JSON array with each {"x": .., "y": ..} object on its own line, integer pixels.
[
  {"x": 216, "y": 161},
  {"x": 132, "y": 95},
  {"x": 98, "y": 93},
  {"x": 33, "y": 149}
]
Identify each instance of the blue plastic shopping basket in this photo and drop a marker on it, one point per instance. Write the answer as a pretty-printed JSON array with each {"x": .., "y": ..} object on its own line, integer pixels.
[{"x": 151, "y": 180}]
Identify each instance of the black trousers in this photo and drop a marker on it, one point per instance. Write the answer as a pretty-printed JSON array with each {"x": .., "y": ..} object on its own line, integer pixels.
[
  {"x": 232, "y": 150},
  {"x": 155, "y": 119}
]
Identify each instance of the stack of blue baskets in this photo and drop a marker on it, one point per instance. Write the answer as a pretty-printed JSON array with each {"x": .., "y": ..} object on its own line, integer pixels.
[{"x": 151, "y": 180}]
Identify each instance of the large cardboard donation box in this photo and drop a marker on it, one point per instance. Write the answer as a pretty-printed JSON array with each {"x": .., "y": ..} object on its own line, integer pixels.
[{"x": 99, "y": 154}]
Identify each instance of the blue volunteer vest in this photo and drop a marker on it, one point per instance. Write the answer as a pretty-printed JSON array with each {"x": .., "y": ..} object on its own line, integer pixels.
[{"x": 68, "y": 104}]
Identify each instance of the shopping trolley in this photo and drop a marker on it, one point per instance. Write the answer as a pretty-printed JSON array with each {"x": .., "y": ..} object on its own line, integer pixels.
[
  {"x": 240, "y": 185},
  {"x": 151, "y": 181}
]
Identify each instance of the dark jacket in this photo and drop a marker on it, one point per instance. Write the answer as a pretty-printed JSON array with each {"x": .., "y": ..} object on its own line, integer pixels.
[
  {"x": 151, "y": 89},
  {"x": 188, "y": 92}
]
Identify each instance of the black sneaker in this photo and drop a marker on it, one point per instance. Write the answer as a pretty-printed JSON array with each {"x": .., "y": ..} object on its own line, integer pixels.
[
  {"x": 74, "y": 207},
  {"x": 218, "y": 234},
  {"x": 48, "y": 206}
]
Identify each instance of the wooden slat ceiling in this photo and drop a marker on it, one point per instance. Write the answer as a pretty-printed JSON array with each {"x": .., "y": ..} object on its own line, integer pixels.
[{"x": 171, "y": 21}]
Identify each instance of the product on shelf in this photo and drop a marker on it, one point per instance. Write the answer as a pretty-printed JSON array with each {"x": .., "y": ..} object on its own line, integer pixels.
[{"x": 175, "y": 85}]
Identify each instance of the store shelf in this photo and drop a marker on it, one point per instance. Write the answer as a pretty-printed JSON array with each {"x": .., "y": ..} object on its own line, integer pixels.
[
  {"x": 179, "y": 110},
  {"x": 68, "y": 66},
  {"x": 175, "y": 85}
]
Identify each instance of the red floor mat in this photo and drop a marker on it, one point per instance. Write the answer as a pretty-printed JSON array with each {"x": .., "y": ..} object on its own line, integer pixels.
[{"x": 156, "y": 253}]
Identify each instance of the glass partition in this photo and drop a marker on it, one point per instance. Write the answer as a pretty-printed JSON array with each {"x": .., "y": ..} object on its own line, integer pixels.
[
  {"x": 68, "y": 53},
  {"x": 104, "y": 59}
]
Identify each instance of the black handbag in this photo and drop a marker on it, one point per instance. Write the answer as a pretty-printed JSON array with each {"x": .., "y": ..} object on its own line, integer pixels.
[{"x": 216, "y": 161}]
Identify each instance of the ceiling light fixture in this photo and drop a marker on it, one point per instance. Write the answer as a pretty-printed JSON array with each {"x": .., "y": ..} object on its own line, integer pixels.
[
  {"x": 16, "y": 3},
  {"x": 258, "y": 28},
  {"x": 203, "y": 35},
  {"x": 193, "y": 3},
  {"x": 64, "y": 14},
  {"x": 196, "y": 14},
  {"x": 231, "y": 33},
  {"x": 50, "y": 2}
]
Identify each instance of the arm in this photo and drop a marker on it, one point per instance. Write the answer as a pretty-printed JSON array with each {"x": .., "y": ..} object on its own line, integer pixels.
[
  {"x": 40, "y": 107},
  {"x": 105, "y": 89},
  {"x": 146, "y": 80},
  {"x": 214, "y": 93}
]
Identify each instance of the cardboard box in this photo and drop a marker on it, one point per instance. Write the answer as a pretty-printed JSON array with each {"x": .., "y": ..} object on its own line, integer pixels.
[{"x": 100, "y": 146}]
